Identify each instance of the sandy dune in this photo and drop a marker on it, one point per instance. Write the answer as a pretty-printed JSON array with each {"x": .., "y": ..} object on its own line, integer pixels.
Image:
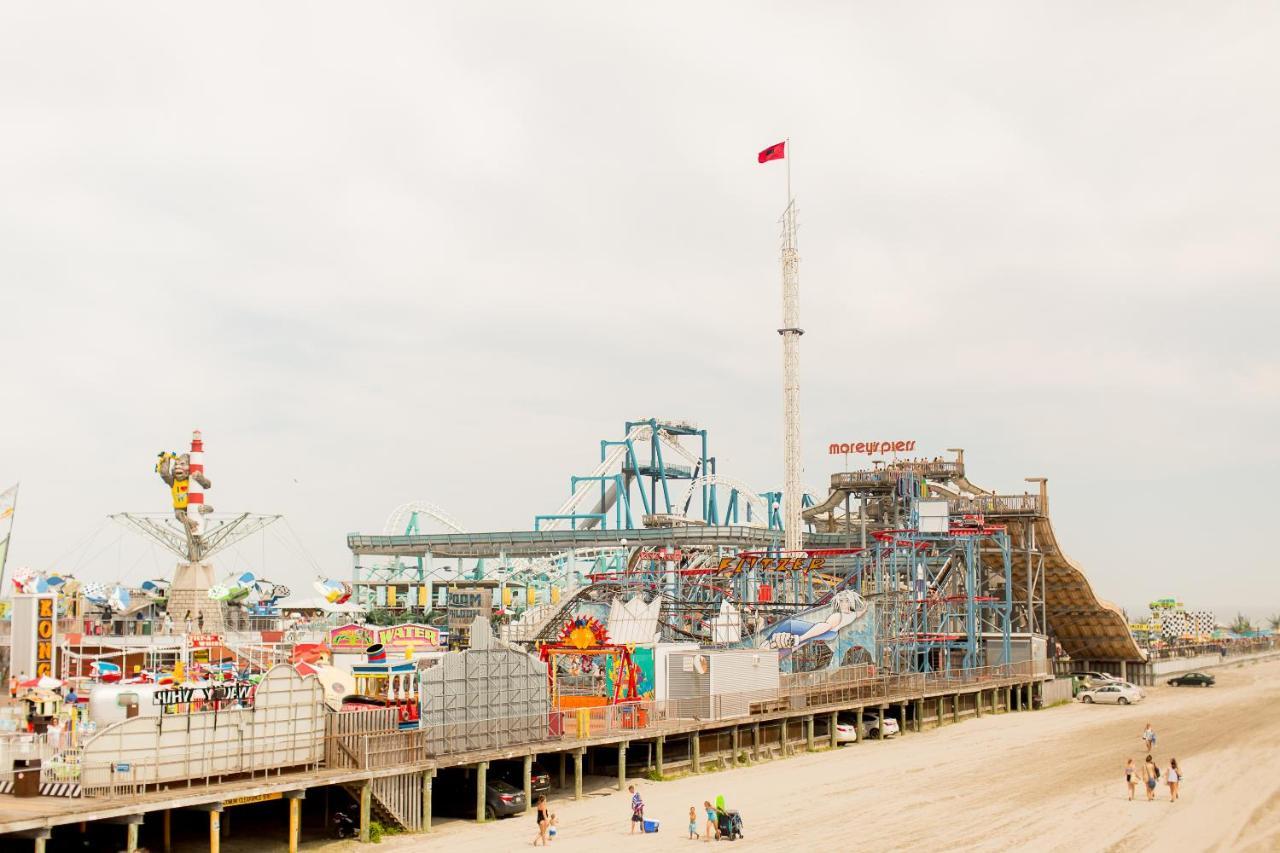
[{"x": 1050, "y": 780}]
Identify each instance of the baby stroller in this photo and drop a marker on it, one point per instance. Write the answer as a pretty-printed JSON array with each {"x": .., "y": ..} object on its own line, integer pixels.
[{"x": 729, "y": 824}]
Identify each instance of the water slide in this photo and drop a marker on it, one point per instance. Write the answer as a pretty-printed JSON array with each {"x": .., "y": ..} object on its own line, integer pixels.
[{"x": 1087, "y": 626}]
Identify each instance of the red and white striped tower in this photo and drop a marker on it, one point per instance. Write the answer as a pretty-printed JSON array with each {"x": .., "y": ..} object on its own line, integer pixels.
[{"x": 195, "y": 490}]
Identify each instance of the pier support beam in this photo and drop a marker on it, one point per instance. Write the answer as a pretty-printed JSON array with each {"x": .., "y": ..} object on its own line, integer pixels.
[
  {"x": 482, "y": 784},
  {"x": 902, "y": 718},
  {"x": 880, "y": 723},
  {"x": 428, "y": 780},
  {"x": 831, "y": 731},
  {"x": 657, "y": 753},
  {"x": 755, "y": 741},
  {"x": 577, "y": 773},
  {"x": 809, "y": 739},
  {"x": 919, "y": 711},
  {"x": 528, "y": 782},
  {"x": 366, "y": 810},
  {"x": 38, "y": 837},
  {"x": 695, "y": 747},
  {"x": 955, "y": 708},
  {"x": 733, "y": 745},
  {"x": 562, "y": 761},
  {"x": 622, "y": 765},
  {"x": 167, "y": 831},
  {"x": 215, "y": 824},
  {"x": 938, "y": 721},
  {"x": 294, "y": 799},
  {"x": 977, "y": 705}
]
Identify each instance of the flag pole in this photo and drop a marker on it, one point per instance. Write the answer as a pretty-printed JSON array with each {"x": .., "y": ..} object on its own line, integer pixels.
[{"x": 788, "y": 159}]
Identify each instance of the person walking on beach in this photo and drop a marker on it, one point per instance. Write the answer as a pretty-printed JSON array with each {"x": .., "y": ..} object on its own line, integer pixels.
[
  {"x": 1149, "y": 738},
  {"x": 713, "y": 832},
  {"x": 1174, "y": 779},
  {"x": 693, "y": 822},
  {"x": 1150, "y": 775},
  {"x": 637, "y": 809},
  {"x": 1130, "y": 777},
  {"x": 544, "y": 821}
]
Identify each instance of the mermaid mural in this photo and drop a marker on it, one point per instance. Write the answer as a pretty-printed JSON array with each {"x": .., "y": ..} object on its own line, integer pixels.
[{"x": 845, "y": 626}]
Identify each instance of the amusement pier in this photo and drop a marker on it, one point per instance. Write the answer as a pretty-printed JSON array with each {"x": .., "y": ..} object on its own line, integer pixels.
[
  {"x": 655, "y": 623},
  {"x": 664, "y": 618}
]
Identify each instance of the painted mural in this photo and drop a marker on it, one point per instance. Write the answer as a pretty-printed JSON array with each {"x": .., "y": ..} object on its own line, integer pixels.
[
  {"x": 839, "y": 633},
  {"x": 642, "y": 667}
]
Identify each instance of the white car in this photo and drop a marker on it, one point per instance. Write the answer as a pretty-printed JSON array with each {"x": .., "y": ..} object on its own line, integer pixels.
[
  {"x": 1114, "y": 694},
  {"x": 846, "y": 721}
]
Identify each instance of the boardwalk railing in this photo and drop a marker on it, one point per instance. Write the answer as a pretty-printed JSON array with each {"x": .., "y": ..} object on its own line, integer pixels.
[
  {"x": 368, "y": 748},
  {"x": 371, "y": 740}
]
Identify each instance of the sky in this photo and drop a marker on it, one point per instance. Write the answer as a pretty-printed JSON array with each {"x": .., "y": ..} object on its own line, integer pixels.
[{"x": 402, "y": 251}]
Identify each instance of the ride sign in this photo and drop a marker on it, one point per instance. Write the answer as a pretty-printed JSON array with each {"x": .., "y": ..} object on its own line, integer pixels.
[
  {"x": 44, "y": 636},
  {"x": 213, "y": 693}
]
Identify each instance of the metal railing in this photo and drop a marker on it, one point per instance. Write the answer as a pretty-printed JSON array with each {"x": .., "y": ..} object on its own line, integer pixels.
[
  {"x": 995, "y": 505},
  {"x": 385, "y": 749},
  {"x": 371, "y": 740}
]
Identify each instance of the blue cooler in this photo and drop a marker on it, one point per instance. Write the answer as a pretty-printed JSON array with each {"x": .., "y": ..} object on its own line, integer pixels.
[{"x": 651, "y": 825}]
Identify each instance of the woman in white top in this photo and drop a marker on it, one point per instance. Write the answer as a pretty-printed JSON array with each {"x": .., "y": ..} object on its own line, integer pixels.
[{"x": 1174, "y": 778}]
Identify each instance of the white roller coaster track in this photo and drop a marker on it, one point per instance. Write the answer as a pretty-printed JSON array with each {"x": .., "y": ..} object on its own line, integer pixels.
[
  {"x": 760, "y": 505},
  {"x": 398, "y": 521}
]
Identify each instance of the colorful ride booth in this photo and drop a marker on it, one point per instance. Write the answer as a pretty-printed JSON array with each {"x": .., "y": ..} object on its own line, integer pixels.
[
  {"x": 391, "y": 675},
  {"x": 595, "y": 684}
]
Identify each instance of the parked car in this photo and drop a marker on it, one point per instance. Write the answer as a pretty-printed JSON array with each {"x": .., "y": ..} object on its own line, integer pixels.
[
  {"x": 1092, "y": 678},
  {"x": 458, "y": 798},
  {"x": 846, "y": 731},
  {"x": 1114, "y": 694},
  {"x": 869, "y": 727},
  {"x": 1189, "y": 679},
  {"x": 512, "y": 772}
]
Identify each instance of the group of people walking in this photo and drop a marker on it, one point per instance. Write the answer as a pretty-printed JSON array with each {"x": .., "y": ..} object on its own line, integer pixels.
[{"x": 1149, "y": 774}]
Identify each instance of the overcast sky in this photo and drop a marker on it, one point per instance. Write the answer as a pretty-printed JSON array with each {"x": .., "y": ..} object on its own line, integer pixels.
[{"x": 397, "y": 251}]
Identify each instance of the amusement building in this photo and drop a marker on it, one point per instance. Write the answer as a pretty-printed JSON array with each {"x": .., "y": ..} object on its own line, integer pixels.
[{"x": 655, "y": 622}]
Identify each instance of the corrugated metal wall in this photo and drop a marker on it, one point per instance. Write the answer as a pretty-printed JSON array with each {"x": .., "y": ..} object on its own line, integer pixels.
[
  {"x": 688, "y": 690},
  {"x": 741, "y": 676},
  {"x": 484, "y": 698}
]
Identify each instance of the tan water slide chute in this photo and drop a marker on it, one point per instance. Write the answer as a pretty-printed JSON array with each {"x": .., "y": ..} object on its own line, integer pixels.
[{"x": 1086, "y": 626}]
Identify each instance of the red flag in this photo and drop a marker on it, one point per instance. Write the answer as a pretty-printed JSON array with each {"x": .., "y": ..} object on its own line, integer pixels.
[{"x": 773, "y": 152}]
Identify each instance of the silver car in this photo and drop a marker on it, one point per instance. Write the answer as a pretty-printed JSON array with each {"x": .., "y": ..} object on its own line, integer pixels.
[{"x": 1113, "y": 694}]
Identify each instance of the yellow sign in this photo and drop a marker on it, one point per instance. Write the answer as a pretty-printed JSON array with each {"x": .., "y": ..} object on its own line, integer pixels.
[
  {"x": 254, "y": 798},
  {"x": 44, "y": 637}
]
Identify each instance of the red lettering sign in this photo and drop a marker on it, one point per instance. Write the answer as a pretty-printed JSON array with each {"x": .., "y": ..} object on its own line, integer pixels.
[{"x": 870, "y": 448}]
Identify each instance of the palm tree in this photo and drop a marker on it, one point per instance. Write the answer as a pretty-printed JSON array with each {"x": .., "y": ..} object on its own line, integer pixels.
[{"x": 1242, "y": 625}]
